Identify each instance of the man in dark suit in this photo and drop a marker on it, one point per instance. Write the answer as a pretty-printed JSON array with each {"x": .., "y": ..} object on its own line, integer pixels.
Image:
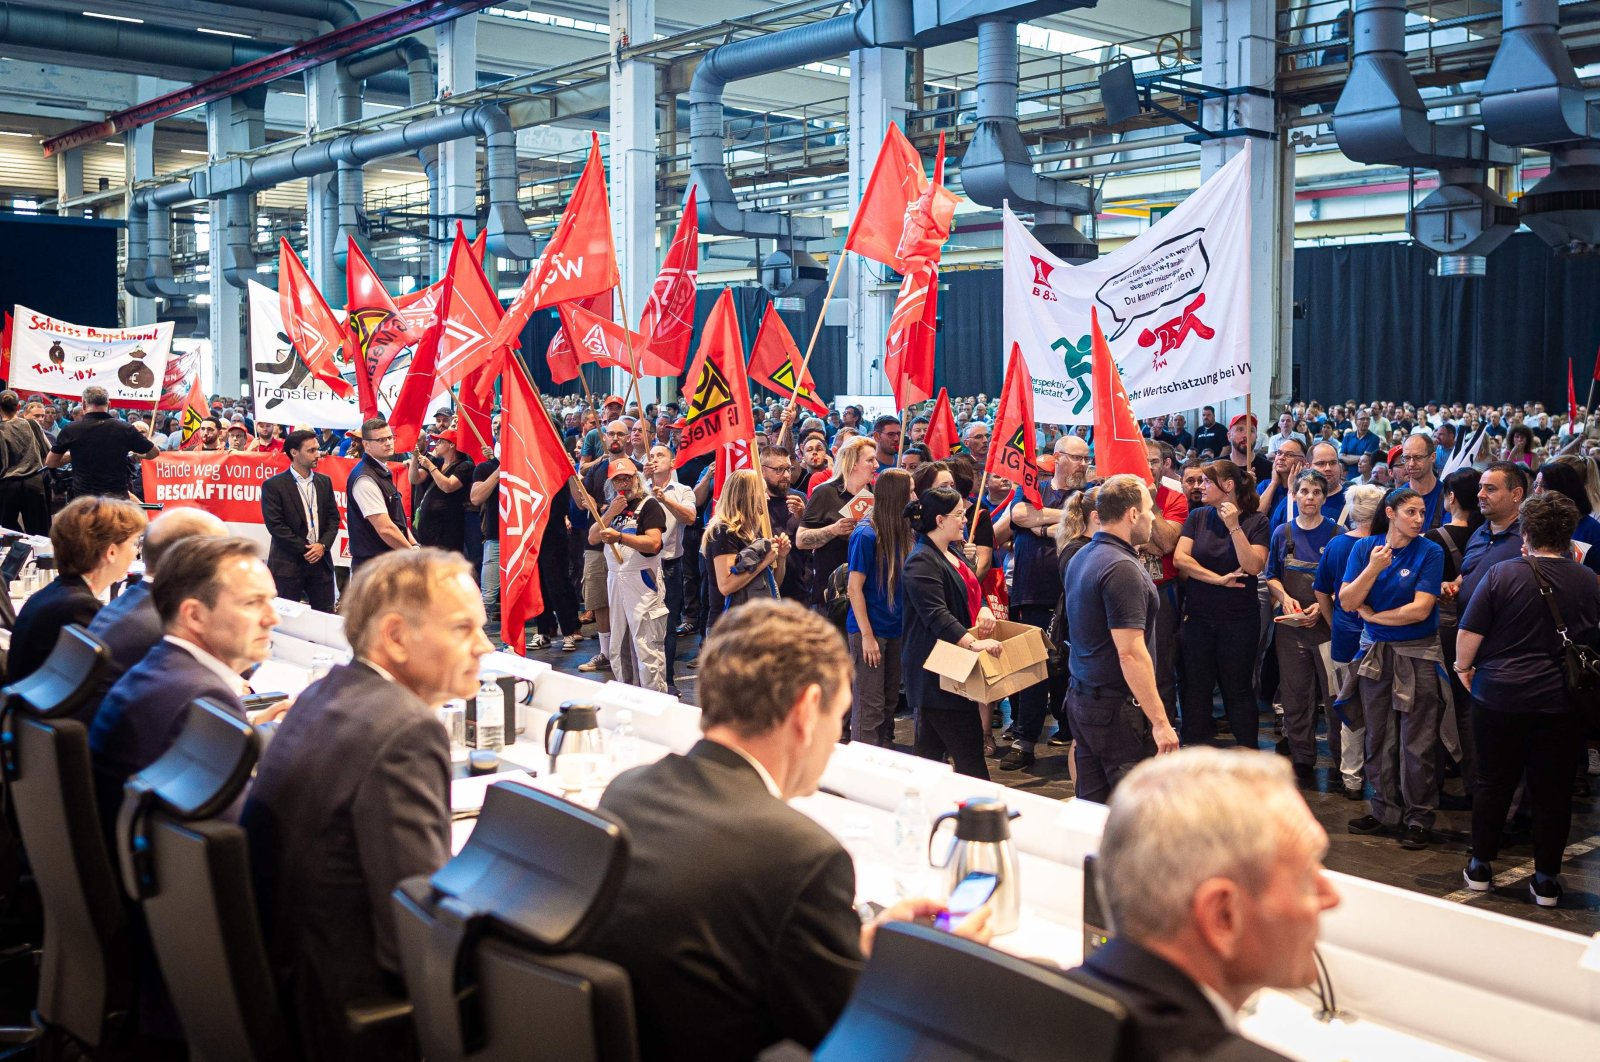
[
  {"x": 216, "y": 614},
  {"x": 353, "y": 796},
  {"x": 129, "y": 625},
  {"x": 1211, "y": 867},
  {"x": 736, "y": 918},
  {"x": 303, "y": 519}
]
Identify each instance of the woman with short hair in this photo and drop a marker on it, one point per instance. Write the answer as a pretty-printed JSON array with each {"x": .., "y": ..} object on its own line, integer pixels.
[
  {"x": 95, "y": 540},
  {"x": 1510, "y": 655}
]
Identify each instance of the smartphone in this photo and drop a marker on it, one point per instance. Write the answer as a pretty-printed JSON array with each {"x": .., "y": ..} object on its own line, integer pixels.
[
  {"x": 257, "y": 701},
  {"x": 970, "y": 894}
]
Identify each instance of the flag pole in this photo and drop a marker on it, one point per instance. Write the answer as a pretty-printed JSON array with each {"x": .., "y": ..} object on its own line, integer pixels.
[
  {"x": 583, "y": 491},
  {"x": 816, "y": 330},
  {"x": 633, "y": 357},
  {"x": 983, "y": 485}
]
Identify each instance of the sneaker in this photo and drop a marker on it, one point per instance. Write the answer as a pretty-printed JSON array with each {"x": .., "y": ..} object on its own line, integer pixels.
[
  {"x": 1355, "y": 792},
  {"x": 1060, "y": 739},
  {"x": 570, "y": 643},
  {"x": 1367, "y": 824},
  {"x": 1546, "y": 892},
  {"x": 1478, "y": 875},
  {"x": 1414, "y": 837},
  {"x": 595, "y": 663},
  {"x": 538, "y": 641},
  {"x": 686, "y": 628},
  {"x": 1015, "y": 759},
  {"x": 1594, "y": 761}
]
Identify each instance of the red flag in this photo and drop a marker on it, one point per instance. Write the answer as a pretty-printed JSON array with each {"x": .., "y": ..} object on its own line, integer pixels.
[
  {"x": 1573, "y": 415},
  {"x": 668, "y": 318},
  {"x": 580, "y": 258},
  {"x": 375, "y": 331},
  {"x": 1118, "y": 445},
  {"x": 774, "y": 360},
  {"x": 311, "y": 327},
  {"x": 598, "y": 340},
  {"x": 719, "y": 404},
  {"x": 475, "y": 413},
  {"x": 913, "y": 325},
  {"x": 534, "y": 470},
  {"x": 194, "y": 410},
  {"x": 896, "y": 183},
  {"x": 562, "y": 358},
  {"x": 1011, "y": 449},
  {"x": 5, "y": 349},
  {"x": 942, "y": 435},
  {"x": 420, "y": 308},
  {"x": 731, "y": 457},
  {"x": 468, "y": 315},
  {"x": 928, "y": 220}
]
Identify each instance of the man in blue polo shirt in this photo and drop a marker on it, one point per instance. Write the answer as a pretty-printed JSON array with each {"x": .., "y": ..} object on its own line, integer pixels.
[
  {"x": 1501, "y": 489},
  {"x": 1416, "y": 463},
  {"x": 1112, "y": 700},
  {"x": 1361, "y": 441}
]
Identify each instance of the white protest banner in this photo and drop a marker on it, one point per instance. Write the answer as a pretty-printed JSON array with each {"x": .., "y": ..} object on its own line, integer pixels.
[
  {"x": 58, "y": 358},
  {"x": 285, "y": 392},
  {"x": 872, "y": 406},
  {"x": 1174, "y": 303}
]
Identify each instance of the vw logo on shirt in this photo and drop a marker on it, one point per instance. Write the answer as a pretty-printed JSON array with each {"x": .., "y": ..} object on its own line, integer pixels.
[{"x": 1404, "y": 572}]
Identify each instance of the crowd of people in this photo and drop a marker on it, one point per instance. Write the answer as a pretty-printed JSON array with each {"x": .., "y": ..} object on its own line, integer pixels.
[{"x": 1418, "y": 623}]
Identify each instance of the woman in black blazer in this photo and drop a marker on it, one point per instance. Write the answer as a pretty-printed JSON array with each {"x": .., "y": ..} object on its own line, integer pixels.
[{"x": 942, "y": 601}]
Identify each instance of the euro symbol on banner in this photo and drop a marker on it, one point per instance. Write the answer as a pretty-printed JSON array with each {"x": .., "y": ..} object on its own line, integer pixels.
[{"x": 711, "y": 393}]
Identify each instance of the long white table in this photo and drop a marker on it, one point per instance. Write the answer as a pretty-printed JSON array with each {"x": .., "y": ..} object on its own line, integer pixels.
[{"x": 1420, "y": 978}]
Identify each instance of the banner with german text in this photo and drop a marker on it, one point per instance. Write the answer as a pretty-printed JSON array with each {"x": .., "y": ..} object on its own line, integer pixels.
[
  {"x": 1174, "y": 303},
  {"x": 228, "y": 485},
  {"x": 59, "y": 358}
]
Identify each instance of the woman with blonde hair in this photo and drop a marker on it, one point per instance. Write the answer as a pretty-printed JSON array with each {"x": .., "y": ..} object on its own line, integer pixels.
[
  {"x": 878, "y": 550},
  {"x": 824, "y": 531},
  {"x": 743, "y": 557}
]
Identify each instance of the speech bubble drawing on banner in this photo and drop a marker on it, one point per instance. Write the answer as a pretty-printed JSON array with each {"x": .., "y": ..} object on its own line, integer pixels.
[{"x": 1173, "y": 270}]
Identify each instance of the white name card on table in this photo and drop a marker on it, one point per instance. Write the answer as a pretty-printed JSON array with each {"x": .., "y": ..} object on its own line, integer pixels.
[
  {"x": 518, "y": 667},
  {"x": 299, "y": 620},
  {"x": 878, "y": 776},
  {"x": 657, "y": 717}
]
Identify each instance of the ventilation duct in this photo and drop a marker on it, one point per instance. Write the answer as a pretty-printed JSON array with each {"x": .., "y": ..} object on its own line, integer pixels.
[
  {"x": 508, "y": 235},
  {"x": 997, "y": 169},
  {"x": 1532, "y": 98},
  {"x": 1380, "y": 120}
]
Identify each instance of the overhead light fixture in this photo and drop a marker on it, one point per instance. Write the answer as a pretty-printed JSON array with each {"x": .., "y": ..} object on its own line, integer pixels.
[
  {"x": 113, "y": 143},
  {"x": 223, "y": 33},
  {"x": 15, "y": 132},
  {"x": 402, "y": 173},
  {"x": 113, "y": 18},
  {"x": 192, "y": 151}
]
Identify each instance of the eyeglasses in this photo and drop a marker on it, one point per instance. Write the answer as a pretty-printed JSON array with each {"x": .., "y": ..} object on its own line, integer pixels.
[
  {"x": 381, "y": 439},
  {"x": 777, "y": 468}
]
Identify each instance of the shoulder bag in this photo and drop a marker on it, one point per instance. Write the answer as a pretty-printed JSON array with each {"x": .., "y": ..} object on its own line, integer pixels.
[{"x": 1580, "y": 664}]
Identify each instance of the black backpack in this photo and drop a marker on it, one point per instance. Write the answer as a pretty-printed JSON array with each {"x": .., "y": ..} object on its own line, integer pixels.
[{"x": 836, "y": 597}]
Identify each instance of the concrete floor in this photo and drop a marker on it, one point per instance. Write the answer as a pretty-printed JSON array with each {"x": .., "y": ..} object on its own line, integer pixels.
[{"x": 1435, "y": 870}]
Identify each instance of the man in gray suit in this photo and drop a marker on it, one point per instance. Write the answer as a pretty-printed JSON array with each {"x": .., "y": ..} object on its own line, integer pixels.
[
  {"x": 352, "y": 796},
  {"x": 736, "y": 919}
]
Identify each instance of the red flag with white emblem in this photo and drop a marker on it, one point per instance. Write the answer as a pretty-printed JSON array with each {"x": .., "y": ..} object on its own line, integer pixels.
[
  {"x": 599, "y": 341},
  {"x": 562, "y": 358},
  {"x": 580, "y": 259},
  {"x": 1012, "y": 455},
  {"x": 313, "y": 330},
  {"x": 534, "y": 470},
  {"x": 668, "y": 318},
  {"x": 913, "y": 326},
  {"x": 468, "y": 315},
  {"x": 1118, "y": 444},
  {"x": 375, "y": 330},
  {"x": 719, "y": 413},
  {"x": 928, "y": 220},
  {"x": 897, "y": 182}
]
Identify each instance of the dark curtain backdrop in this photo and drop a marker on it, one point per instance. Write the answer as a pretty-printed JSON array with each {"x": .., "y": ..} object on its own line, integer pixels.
[
  {"x": 65, "y": 267},
  {"x": 1376, "y": 324}
]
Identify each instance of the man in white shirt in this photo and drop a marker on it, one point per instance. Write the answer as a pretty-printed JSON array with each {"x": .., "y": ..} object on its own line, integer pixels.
[{"x": 677, "y": 499}]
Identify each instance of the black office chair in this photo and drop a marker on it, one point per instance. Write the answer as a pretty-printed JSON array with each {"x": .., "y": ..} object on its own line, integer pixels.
[
  {"x": 190, "y": 872},
  {"x": 486, "y": 943},
  {"x": 929, "y": 995},
  {"x": 85, "y": 978}
]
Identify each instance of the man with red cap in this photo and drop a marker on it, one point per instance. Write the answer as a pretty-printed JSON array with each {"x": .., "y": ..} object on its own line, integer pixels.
[
  {"x": 1242, "y": 448},
  {"x": 440, "y": 479},
  {"x": 593, "y": 443},
  {"x": 633, "y": 523}
]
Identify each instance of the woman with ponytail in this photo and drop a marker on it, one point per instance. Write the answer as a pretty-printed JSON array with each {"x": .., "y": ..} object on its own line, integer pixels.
[
  {"x": 942, "y": 601},
  {"x": 878, "y": 550}
]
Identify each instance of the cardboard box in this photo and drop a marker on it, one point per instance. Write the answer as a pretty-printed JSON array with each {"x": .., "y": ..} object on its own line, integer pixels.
[{"x": 981, "y": 677}]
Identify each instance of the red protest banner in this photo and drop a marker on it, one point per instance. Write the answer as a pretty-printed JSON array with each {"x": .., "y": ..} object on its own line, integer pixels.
[{"x": 228, "y": 485}]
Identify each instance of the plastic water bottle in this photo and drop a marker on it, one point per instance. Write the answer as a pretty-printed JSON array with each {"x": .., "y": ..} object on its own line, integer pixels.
[
  {"x": 491, "y": 715},
  {"x": 910, "y": 844},
  {"x": 624, "y": 742},
  {"x": 321, "y": 664}
]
